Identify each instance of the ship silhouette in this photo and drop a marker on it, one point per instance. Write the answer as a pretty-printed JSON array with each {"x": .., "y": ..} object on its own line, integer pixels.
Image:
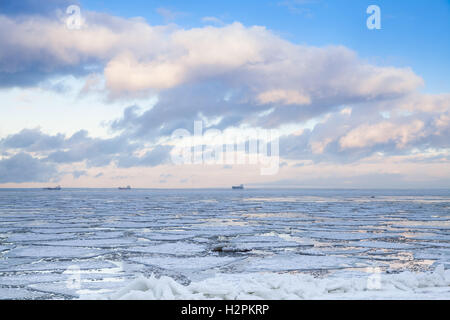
[{"x": 53, "y": 188}]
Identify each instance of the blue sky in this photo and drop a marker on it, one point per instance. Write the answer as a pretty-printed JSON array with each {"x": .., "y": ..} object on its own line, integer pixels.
[{"x": 97, "y": 105}]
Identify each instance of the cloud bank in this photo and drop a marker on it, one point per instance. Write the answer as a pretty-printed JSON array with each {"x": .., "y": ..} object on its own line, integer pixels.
[{"x": 229, "y": 75}]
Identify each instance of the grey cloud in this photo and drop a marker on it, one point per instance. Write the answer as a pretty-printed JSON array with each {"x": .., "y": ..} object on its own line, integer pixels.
[
  {"x": 180, "y": 107},
  {"x": 58, "y": 149},
  {"x": 24, "y": 168},
  {"x": 78, "y": 173},
  {"x": 98, "y": 152},
  {"x": 283, "y": 164},
  {"x": 32, "y": 140},
  {"x": 78, "y": 147},
  {"x": 159, "y": 155}
]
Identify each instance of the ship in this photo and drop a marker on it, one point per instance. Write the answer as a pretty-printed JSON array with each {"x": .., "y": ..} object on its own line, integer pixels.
[
  {"x": 125, "y": 188},
  {"x": 53, "y": 188},
  {"x": 240, "y": 187}
]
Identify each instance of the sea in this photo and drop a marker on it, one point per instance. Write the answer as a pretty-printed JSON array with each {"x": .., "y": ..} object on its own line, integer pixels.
[{"x": 224, "y": 244}]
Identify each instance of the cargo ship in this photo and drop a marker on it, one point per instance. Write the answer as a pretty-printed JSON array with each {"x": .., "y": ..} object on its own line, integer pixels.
[{"x": 53, "y": 188}]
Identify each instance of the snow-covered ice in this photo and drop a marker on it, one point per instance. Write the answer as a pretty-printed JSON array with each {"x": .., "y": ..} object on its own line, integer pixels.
[
  {"x": 217, "y": 244},
  {"x": 406, "y": 285}
]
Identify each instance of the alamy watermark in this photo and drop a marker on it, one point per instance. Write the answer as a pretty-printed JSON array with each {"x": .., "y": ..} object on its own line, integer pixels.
[
  {"x": 74, "y": 19},
  {"x": 374, "y": 20},
  {"x": 248, "y": 146},
  {"x": 74, "y": 277},
  {"x": 374, "y": 280}
]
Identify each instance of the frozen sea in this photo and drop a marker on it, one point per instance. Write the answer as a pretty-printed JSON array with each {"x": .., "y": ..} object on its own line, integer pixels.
[{"x": 224, "y": 244}]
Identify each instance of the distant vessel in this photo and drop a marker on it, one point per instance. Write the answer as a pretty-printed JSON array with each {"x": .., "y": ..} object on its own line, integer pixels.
[
  {"x": 125, "y": 188},
  {"x": 240, "y": 187},
  {"x": 53, "y": 188}
]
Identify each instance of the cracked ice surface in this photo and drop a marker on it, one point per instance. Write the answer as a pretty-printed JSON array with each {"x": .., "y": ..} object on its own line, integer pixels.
[{"x": 93, "y": 243}]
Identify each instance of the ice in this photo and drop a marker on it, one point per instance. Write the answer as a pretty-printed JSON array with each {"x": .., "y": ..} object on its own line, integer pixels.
[
  {"x": 254, "y": 286},
  {"x": 176, "y": 248},
  {"x": 20, "y": 293},
  {"x": 187, "y": 264},
  {"x": 194, "y": 235},
  {"x": 385, "y": 245},
  {"x": 22, "y": 279},
  {"x": 258, "y": 242},
  {"x": 61, "y": 288},
  {"x": 294, "y": 262},
  {"x": 348, "y": 235},
  {"x": 54, "y": 252},
  {"x": 4, "y": 248},
  {"x": 63, "y": 230},
  {"x": 98, "y": 243},
  {"x": 164, "y": 236},
  {"x": 30, "y": 264},
  {"x": 33, "y": 237}
]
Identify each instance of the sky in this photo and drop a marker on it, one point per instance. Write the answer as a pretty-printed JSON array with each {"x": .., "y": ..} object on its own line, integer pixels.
[{"x": 94, "y": 99}]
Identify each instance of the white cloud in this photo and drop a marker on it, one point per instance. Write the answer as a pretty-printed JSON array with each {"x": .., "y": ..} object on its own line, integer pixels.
[
  {"x": 283, "y": 97},
  {"x": 140, "y": 57},
  {"x": 425, "y": 103},
  {"x": 169, "y": 14},
  {"x": 383, "y": 132},
  {"x": 213, "y": 20}
]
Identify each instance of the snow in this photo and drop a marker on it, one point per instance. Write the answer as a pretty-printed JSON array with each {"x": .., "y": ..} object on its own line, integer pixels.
[{"x": 406, "y": 285}]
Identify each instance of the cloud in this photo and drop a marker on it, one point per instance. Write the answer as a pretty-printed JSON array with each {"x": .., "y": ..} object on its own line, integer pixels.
[
  {"x": 230, "y": 75},
  {"x": 299, "y": 7},
  {"x": 418, "y": 102},
  {"x": 158, "y": 58},
  {"x": 96, "y": 151},
  {"x": 78, "y": 173},
  {"x": 23, "y": 167},
  {"x": 37, "y": 47},
  {"x": 179, "y": 108},
  {"x": 348, "y": 136},
  {"x": 284, "y": 97},
  {"x": 38, "y": 155},
  {"x": 32, "y": 140},
  {"x": 157, "y": 156},
  {"x": 61, "y": 149},
  {"x": 255, "y": 58},
  {"x": 213, "y": 20},
  {"x": 383, "y": 132},
  {"x": 168, "y": 14}
]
